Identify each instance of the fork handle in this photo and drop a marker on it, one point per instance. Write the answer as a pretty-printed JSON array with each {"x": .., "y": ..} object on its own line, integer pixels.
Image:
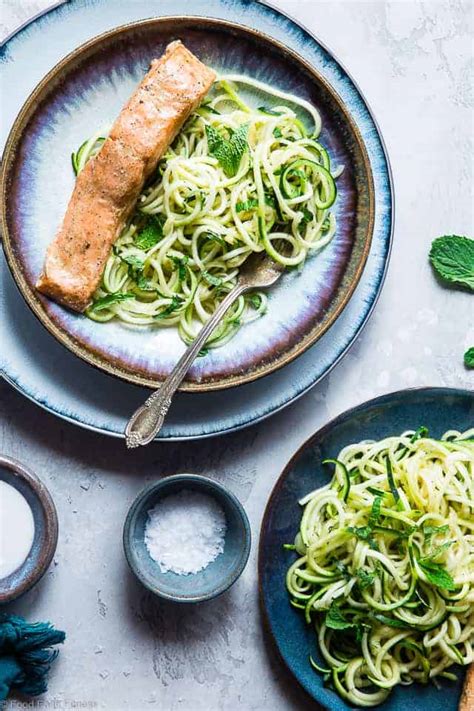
[{"x": 146, "y": 422}]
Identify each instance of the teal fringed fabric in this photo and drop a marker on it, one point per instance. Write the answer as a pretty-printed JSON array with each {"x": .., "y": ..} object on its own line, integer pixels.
[{"x": 26, "y": 654}]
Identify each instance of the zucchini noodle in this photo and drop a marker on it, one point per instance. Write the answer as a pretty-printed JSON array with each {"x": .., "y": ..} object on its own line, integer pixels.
[
  {"x": 385, "y": 570},
  {"x": 200, "y": 218}
]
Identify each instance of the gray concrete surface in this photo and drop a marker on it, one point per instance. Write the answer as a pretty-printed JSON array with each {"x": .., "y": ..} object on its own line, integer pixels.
[{"x": 125, "y": 650}]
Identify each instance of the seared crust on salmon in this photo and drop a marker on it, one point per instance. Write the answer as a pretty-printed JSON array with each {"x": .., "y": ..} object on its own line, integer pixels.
[{"x": 108, "y": 187}]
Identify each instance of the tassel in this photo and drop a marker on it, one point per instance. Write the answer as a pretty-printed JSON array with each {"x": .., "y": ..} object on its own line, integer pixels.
[{"x": 25, "y": 654}]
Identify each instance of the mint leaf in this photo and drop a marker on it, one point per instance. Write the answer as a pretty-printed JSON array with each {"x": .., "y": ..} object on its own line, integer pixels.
[
  {"x": 364, "y": 533},
  {"x": 212, "y": 279},
  {"x": 255, "y": 300},
  {"x": 213, "y": 237},
  {"x": 180, "y": 264},
  {"x": 336, "y": 620},
  {"x": 419, "y": 433},
  {"x": 175, "y": 304},
  {"x": 133, "y": 261},
  {"x": 248, "y": 205},
  {"x": 145, "y": 284},
  {"x": 150, "y": 235},
  {"x": 435, "y": 552},
  {"x": 452, "y": 258},
  {"x": 228, "y": 152},
  {"x": 366, "y": 578},
  {"x": 110, "y": 299},
  {"x": 436, "y": 574},
  {"x": 375, "y": 511},
  {"x": 307, "y": 217},
  {"x": 430, "y": 531},
  {"x": 135, "y": 265},
  {"x": 469, "y": 358},
  {"x": 270, "y": 199}
]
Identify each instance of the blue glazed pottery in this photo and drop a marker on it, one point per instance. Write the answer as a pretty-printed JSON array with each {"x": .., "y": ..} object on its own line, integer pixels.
[
  {"x": 220, "y": 574},
  {"x": 85, "y": 92},
  {"x": 45, "y": 532},
  {"x": 27, "y": 359},
  {"x": 438, "y": 409}
]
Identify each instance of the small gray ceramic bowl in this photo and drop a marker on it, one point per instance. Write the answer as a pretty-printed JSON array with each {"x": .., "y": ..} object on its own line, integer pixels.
[
  {"x": 219, "y": 575},
  {"x": 46, "y": 529}
]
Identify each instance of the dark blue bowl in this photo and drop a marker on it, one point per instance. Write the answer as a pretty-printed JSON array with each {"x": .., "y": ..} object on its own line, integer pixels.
[
  {"x": 219, "y": 575},
  {"x": 46, "y": 529},
  {"x": 439, "y": 409}
]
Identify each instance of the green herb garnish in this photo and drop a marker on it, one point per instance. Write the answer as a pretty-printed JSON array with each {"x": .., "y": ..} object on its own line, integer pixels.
[
  {"x": 469, "y": 358},
  {"x": 212, "y": 279},
  {"x": 452, "y": 258},
  {"x": 365, "y": 578},
  {"x": 180, "y": 264},
  {"x": 229, "y": 152},
  {"x": 255, "y": 300},
  {"x": 247, "y": 205},
  {"x": 151, "y": 234},
  {"x": 336, "y": 620},
  {"x": 436, "y": 574},
  {"x": 430, "y": 531},
  {"x": 175, "y": 304},
  {"x": 106, "y": 301},
  {"x": 135, "y": 265}
]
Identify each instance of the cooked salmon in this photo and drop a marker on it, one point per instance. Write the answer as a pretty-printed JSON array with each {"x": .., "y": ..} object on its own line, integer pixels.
[{"x": 108, "y": 187}]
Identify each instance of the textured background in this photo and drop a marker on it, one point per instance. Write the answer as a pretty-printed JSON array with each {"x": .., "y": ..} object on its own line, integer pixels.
[{"x": 413, "y": 61}]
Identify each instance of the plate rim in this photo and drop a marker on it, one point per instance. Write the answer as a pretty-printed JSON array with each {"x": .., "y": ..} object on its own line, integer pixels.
[
  {"x": 321, "y": 432},
  {"x": 381, "y": 273},
  {"x": 89, "y": 354}
]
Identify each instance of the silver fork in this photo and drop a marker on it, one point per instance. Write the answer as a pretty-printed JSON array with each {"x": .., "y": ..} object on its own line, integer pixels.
[{"x": 257, "y": 272}]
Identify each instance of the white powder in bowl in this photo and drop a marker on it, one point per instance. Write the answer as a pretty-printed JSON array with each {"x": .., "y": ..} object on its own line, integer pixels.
[{"x": 185, "y": 532}]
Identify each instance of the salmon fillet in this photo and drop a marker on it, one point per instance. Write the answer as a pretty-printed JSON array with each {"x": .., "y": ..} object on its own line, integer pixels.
[{"x": 108, "y": 187}]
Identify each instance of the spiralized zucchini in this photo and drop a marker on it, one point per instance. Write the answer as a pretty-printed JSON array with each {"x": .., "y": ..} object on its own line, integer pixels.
[
  {"x": 386, "y": 564},
  {"x": 207, "y": 210}
]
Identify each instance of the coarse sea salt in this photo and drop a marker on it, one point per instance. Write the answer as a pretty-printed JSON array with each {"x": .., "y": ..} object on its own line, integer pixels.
[{"x": 185, "y": 532}]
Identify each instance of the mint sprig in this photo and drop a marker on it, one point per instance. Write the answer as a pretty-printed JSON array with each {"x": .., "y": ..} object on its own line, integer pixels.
[
  {"x": 436, "y": 574},
  {"x": 452, "y": 258},
  {"x": 336, "y": 620},
  {"x": 229, "y": 152},
  {"x": 106, "y": 301},
  {"x": 175, "y": 304},
  {"x": 150, "y": 235},
  {"x": 469, "y": 358}
]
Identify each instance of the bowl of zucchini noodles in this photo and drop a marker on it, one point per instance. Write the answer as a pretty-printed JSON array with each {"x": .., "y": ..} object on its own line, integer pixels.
[
  {"x": 272, "y": 160},
  {"x": 371, "y": 524}
]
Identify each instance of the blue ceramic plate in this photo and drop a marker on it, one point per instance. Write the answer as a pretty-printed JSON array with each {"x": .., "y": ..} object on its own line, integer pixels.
[
  {"x": 439, "y": 409},
  {"x": 86, "y": 91},
  {"x": 34, "y": 362},
  {"x": 219, "y": 575}
]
